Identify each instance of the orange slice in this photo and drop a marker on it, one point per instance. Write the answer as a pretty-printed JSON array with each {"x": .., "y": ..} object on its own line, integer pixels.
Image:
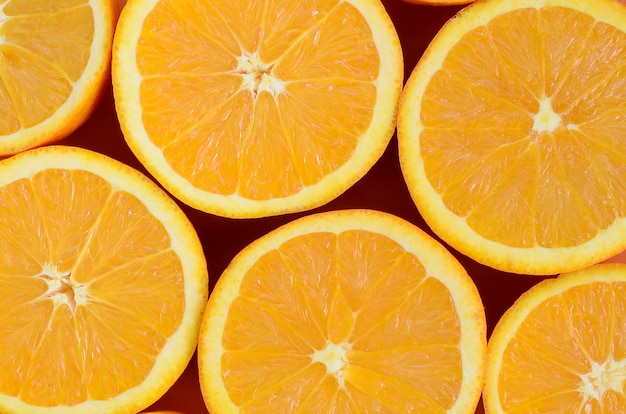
[
  {"x": 561, "y": 348},
  {"x": 102, "y": 285},
  {"x": 511, "y": 133},
  {"x": 251, "y": 108},
  {"x": 54, "y": 67},
  {"x": 355, "y": 311}
]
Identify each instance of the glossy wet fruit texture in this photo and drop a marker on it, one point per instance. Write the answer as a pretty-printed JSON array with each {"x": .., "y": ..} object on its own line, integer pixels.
[
  {"x": 354, "y": 311},
  {"x": 103, "y": 285},
  {"x": 514, "y": 158},
  {"x": 55, "y": 67},
  {"x": 561, "y": 348},
  {"x": 311, "y": 87}
]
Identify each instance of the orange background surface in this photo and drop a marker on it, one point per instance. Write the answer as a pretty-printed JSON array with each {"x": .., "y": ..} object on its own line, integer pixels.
[{"x": 382, "y": 188}]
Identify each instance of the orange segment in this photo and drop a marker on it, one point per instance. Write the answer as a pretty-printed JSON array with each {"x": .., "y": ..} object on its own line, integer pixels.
[
  {"x": 560, "y": 348},
  {"x": 50, "y": 89},
  {"x": 71, "y": 29},
  {"x": 55, "y": 65},
  {"x": 354, "y": 311},
  {"x": 102, "y": 284},
  {"x": 510, "y": 136},
  {"x": 257, "y": 108}
]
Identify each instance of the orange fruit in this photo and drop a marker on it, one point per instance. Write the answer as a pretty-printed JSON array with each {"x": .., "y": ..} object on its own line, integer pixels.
[
  {"x": 277, "y": 109},
  {"x": 55, "y": 58},
  {"x": 561, "y": 347},
  {"x": 103, "y": 284},
  {"x": 512, "y": 131},
  {"x": 353, "y": 311}
]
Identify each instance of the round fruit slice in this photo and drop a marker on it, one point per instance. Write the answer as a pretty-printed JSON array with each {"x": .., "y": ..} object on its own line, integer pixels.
[
  {"x": 354, "y": 311},
  {"x": 252, "y": 108},
  {"x": 55, "y": 58},
  {"x": 103, "y": 284},
  {"x": 512, "y": 133},
  {"x": 561, "y": 348}
]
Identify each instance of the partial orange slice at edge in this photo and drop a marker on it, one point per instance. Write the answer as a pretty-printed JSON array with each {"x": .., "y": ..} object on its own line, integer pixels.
[
  {"x": 561, "y": 347},
  {"x": 103, "y": 283},
  {"x": 56, "y": 57}
]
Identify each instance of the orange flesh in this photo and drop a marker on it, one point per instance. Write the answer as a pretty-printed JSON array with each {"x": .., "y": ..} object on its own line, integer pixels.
[
  {"x": 45, "y": 48},
  {"x": 544, "y": 363},
  {"x": 90, "y": 289},
  {"x": 252, "y": 89},
  {"x": 556, "y": 185},
  {"x": 356, "y": 299}
]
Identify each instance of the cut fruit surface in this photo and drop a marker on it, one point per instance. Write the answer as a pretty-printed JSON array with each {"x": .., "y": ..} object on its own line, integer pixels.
[
  {"x": 354, "y": 311},
  {"x": 512, "y": 133},
  {"x": 103, "y": 283},
  {"x": 55, "y": 58},
  {"x": 561, "y": 347},
  {"x": 256, "y": 108}
]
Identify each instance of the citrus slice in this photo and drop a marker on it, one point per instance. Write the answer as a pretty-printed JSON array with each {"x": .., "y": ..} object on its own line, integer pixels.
[
  {"x": 353, "y": 311},
  {"x": 103, "y": 283},
  {"x": 253, "y": 108},
  {"x": 512, "y": 133},
  {"x": 561, "y": 347},
  {"x": 54, "y": 67}
]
